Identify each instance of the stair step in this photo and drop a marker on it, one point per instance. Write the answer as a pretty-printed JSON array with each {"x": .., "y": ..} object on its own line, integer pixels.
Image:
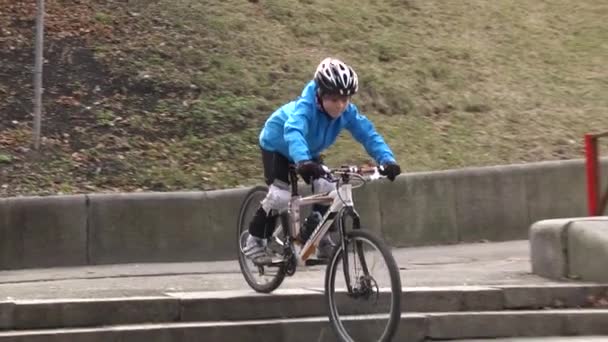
[
  {"x": 413, "y": 327},
  {"x": 288, "y": 303}
]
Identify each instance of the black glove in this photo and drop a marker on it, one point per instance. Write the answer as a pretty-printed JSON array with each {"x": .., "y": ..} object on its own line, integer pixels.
[
  {"x": 390, "y": 170},
  {"x": 309, "y": 170}
]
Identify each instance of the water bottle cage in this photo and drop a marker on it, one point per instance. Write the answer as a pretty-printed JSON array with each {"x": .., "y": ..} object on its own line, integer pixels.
[{"x": 310, "y": 223}]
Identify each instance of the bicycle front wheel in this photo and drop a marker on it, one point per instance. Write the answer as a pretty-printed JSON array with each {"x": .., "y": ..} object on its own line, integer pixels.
[{"x": 363, "y": 290}]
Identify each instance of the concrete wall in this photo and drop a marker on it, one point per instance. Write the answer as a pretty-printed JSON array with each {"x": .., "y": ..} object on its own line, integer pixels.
[
  {"x": 492, "y": 203},
  {"x": 145, "y": 227},
  {"x": 574, "y": 248},
  {"x": 43, "y": 232},
  {"x": 156, "y": 227}
]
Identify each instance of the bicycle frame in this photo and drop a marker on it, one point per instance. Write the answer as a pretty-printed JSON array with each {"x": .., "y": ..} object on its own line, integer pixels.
[{"x": 341, "y": 203}]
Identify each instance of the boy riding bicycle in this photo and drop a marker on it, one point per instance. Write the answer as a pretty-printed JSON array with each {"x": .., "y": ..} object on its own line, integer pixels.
[{"x": 297, "y": 133}]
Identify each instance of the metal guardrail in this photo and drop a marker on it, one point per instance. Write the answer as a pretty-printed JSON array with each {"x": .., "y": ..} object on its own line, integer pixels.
[{"x": 596, "y": 200}]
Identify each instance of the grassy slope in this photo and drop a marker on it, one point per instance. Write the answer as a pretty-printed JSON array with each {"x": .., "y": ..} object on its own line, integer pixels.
[{"x": 449, "y": 84}]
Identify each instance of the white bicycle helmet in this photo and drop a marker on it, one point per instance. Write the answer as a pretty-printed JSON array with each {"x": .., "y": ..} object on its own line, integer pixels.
[{"x": 335, "y": 77}]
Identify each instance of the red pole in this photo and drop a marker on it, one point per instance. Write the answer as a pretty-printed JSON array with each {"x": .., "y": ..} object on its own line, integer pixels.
[{"x": 592, "y": 170}]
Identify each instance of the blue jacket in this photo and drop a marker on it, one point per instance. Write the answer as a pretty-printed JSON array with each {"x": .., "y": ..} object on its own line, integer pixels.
[{"x": 300, "y": 131}]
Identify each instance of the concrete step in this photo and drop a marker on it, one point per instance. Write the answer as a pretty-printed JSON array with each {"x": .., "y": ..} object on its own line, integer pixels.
[
  {"x": 287, "y": 303},
  {"x": 413, "y": 327}
]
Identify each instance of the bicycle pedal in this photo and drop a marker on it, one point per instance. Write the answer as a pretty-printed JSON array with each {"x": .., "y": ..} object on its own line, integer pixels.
[
  {"x": 275, "y": 260},
  {"x": 315, "y": 262},
  {"x": 276, "y": 263}
]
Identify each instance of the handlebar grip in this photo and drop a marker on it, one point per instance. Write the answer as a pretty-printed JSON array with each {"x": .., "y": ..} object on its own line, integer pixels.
[{"x": 368, "y": 169}]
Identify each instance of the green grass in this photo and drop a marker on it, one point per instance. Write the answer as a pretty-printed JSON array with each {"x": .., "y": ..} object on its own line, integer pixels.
[
  {"x": 448, "y": 83},
  {"x": 103, "y": 18},
  {"x": 5, "y": 158}
]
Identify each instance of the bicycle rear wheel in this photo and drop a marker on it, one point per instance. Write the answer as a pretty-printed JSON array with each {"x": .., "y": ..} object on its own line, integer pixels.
[
  {"x": 263, "y": 279},
  {"x": 363, "y": 290}
]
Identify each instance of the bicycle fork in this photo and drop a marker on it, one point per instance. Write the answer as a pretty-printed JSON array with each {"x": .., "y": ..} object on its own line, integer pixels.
[{"x": 349, "y": 211}]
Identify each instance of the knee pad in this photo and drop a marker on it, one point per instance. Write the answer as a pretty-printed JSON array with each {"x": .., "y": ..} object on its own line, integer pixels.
[{"x": 277, "y": 199}]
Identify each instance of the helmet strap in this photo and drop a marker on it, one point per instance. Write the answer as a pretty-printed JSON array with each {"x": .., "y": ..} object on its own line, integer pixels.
[{"x": 320, "y": 101}]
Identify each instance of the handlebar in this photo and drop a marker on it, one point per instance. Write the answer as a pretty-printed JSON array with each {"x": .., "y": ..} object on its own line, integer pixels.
[{"x": 365, "y": 173}]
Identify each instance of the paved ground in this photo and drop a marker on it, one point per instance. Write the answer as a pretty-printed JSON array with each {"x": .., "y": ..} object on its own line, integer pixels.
[{"x": 464, "y": 264}]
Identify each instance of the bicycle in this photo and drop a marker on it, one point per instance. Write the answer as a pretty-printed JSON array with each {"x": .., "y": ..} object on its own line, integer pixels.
[{"x": 355, "y": 247}]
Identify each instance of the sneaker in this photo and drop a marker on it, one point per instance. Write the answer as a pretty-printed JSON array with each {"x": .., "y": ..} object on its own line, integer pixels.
[
  {"x": 326, "y": 248},
  {"x": 255, "y": 250}
]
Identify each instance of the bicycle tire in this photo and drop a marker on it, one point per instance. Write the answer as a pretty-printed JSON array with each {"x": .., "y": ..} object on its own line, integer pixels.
[
  {"x": 395, "y": 284},
  {"x": 250, "y": 203}
]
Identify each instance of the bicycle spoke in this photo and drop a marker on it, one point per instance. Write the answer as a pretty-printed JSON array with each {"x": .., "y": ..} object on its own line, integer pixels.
[
  {"x": 368, "y": 311},
  {"x": 260, "y": 278}
]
